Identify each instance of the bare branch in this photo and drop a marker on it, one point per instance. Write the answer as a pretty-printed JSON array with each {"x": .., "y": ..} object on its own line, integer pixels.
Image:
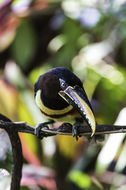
[
  {"x": 64, "y": 129},
  {"x": 13, "y": 128},
  {"x": 17, "y": 126},
  {"x": 83, "y": 130}
]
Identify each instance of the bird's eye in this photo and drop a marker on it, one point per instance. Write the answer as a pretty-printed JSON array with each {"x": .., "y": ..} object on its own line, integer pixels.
[{"x": 63, "y": 84}]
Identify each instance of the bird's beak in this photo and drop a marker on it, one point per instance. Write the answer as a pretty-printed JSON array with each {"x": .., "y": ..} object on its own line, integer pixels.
[{"x": 78, "y": 99}]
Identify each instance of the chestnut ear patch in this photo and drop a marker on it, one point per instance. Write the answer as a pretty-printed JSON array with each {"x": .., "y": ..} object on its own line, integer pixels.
[{"x": 49, "y": 85}]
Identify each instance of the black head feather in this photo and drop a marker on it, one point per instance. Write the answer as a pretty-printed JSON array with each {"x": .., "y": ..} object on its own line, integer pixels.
[{"x": 49, "y": 84}]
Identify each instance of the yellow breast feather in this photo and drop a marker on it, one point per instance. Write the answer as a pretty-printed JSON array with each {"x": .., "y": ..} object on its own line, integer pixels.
[{"x": 47, "y": 110}]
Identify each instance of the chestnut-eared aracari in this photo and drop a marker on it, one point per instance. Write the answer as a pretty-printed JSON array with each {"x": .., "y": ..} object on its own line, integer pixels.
[{"x": 60, "y": 95}]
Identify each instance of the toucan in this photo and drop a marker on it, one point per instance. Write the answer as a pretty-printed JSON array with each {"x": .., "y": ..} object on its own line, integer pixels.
[{"x": 60, "y": 96}]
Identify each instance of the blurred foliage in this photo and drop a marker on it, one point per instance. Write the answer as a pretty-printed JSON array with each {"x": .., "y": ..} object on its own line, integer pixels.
[
  {"x": 23, "y": 47},
  {"x": 88, "y": 37}
]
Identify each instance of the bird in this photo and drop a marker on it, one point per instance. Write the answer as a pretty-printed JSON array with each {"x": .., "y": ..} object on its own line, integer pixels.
[{"x": 61, "y": 97}]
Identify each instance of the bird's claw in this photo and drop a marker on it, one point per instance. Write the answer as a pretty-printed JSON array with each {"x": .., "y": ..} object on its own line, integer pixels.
[
  {"x": 75, "y": 131},
  {"x": 38, "y": 128}
]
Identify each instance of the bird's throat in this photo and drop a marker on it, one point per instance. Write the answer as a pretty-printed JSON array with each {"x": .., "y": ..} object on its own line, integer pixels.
[{"x": 50, "y": 111}]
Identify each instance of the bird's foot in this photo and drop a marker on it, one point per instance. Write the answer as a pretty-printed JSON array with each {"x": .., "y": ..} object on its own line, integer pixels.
[
  {"x": 75, "y": 130},
  {"x": 38, "y": 128}
]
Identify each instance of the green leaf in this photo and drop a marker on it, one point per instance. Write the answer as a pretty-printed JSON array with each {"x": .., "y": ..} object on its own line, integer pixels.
[
  {"x": 80, "y": 179},
  {"x": 23, "y": 47}
]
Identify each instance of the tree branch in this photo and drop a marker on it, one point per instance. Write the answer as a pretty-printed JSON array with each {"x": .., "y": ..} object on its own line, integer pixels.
[
  {"x": 64, "y": 129},
  {"x": 13, "y": 128},
  {"x": 83, "y": 130},
  {"x": 16, "y": 153}
]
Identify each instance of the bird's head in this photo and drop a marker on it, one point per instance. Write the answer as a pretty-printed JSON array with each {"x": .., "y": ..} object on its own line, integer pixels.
[
  {"x": 51, "y": 83},
  {"x": 58, "y": 88}
]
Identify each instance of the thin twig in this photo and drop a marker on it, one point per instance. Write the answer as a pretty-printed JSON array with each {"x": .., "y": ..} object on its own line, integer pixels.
[
  {"x": 84, "y": 130},
  {"x": 63, "y": 129}
]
